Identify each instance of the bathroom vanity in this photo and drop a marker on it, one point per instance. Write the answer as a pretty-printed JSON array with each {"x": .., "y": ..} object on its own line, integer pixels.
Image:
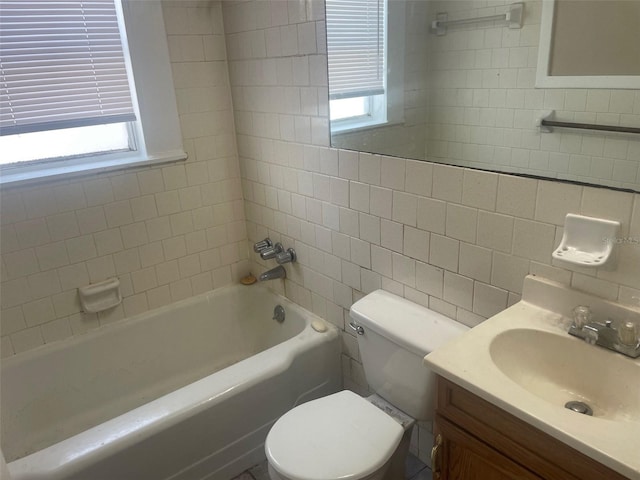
[
  {"x": 519, "y": 397},
  {"x": 477, "y": 440}
]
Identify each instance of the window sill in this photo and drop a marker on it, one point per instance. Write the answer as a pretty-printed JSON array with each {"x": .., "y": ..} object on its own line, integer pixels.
[
  {"x": 22, "y": 175},
  {"x": 356, "y": 126},
  {"x": 346, "y": 129}
]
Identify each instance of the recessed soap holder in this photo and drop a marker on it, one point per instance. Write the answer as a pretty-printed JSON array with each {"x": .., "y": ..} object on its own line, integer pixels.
[
  {"x": 587, "y": 241},
  {"x": 100, "y": 296}
]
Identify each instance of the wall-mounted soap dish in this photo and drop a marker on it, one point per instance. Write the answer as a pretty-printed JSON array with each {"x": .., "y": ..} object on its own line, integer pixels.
[
  {"x": 587, "y": 241},
  {"x": 100, "y": 296}
]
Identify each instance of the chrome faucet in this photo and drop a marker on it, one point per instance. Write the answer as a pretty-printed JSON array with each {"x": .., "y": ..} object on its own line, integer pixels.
[
  {"x": 277, "y": 272},
  {"x": 286, "y": 256},
  {"x": 262, "y": 245},
  {"x": 623, "y": 339},
  {"x": 271, "y": 252}
]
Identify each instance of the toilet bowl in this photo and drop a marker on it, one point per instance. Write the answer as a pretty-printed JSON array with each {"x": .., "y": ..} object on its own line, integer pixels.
[{"x": 347, "y": 437}]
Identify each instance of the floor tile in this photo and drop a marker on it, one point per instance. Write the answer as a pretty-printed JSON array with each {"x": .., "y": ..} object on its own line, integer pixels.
[
  {"x": 261, "y": 471},
  {"x": 413, "y": 466},
  {"x": 416, "y": 470}
]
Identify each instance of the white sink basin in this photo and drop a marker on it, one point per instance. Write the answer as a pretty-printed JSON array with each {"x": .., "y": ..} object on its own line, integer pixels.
[
  {"x": 561, "y": 368},
  {"x": 524, "y": 361}
]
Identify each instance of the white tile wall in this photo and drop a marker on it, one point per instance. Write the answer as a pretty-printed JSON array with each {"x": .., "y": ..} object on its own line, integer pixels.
[
  {"x": 167, "y": 232},
  {"x": 483, "y": 104},
  {"x": 459, "y": 241}
]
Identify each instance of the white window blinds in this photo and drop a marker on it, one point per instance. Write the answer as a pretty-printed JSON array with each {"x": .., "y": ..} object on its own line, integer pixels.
[
  {"x": 61, "y": 65},
  {"x": 355, "y": 47}
]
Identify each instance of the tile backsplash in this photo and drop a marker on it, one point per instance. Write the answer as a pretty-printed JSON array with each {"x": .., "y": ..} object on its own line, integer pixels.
[
  {"x": 251, "y": 85},
  {"x": 460, "y": 240},
  {"x": 167, "y": 232},
  {"x": 457, "y": 240}
]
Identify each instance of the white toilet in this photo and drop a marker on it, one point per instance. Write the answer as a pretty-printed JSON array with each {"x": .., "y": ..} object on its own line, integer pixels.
[{"x": 347, "y": 437}]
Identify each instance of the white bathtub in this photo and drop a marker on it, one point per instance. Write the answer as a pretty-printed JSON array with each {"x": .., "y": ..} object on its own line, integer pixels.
[{"x": 188, "y": 391}]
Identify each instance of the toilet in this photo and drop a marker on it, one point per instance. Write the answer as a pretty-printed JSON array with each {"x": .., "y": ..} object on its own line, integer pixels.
[{"x": 348, "y": 437}]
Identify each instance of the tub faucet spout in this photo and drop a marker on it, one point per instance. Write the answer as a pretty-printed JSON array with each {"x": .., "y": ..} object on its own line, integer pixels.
[{"x": 277, "y": 272}]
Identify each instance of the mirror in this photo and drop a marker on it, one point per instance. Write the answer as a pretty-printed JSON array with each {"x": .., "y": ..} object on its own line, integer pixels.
[{"x": 454, "y": 82}]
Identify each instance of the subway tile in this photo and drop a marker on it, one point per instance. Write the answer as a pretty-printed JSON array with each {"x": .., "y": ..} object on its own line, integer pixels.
[
  {"x": 416, "y": 243},
  {"x": 419, "y": 177},
  {"x": 431, "y": 215},
  {"x": 475, "y": 262},
  {"x": 404, "y": 208},
  {"x": 369, "y": 228},
  {"x": 429, "y": 279},
  {"x": 516, "y": 196},
  {"x": 392, "y": 172},
  {"x": 508, "y": 272},
  {"x": 359, "y": 196},
  {"x": 444, "y": 252},
  {"x": 381, "y": 261},
  {"x": 380, "y": 202},
  {"x": 21, "y": 263},
  {"x": 404, "y": 269},
  {"x": 38, "y": 312},
  {"x": 495, "y": 231},
  {"x": 12, "y": 320},
  {"x": 447, "y": 183},
  {"x": 488, "y": 300},
  {"x": 533, "y": 240},
  {"x": 27, "y": 339},
  {"x": 391, "y": 235},
  {"x": 461, "y": 223},
  {"x": 63, "y": 226},
  {"x": 369, "y": 168},
  {"x": 348, "y": 165},
  {"x": 479, "y": 189},
  {"x": 458, "y": 290}
]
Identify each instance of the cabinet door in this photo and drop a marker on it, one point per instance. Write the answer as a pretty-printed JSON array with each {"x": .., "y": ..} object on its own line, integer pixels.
[{"x": 464, "y": 457}]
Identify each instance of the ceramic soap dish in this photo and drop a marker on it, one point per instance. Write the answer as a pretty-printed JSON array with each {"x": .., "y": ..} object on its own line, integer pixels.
[
  {"x": 587, "y": 241},
  {"x": 100, "y": 296}
]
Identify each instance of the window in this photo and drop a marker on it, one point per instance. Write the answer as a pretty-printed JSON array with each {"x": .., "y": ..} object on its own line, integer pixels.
[
  {"x": 365, "y": 80},
  {"x": 68, "y": 100},
  {"x": 356, "y": 44}
]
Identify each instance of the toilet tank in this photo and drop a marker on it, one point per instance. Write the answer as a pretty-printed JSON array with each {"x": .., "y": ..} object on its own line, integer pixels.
[{"x": 396, "y": 335}]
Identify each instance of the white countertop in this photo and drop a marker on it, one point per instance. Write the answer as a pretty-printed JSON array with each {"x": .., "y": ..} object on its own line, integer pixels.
[{"x": 467, "y": 361}]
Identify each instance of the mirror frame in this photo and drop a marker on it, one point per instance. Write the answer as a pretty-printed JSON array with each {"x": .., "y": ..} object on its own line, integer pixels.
[{"x": 544, "y": 80}]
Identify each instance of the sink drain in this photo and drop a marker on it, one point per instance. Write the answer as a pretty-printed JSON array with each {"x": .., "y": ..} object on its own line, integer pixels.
[{"x": 579, "y": 407}]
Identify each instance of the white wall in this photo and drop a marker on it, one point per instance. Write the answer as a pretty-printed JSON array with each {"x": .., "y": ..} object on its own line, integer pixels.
[
  {"x": 459, "y": 241},
  {"x": 166, "y": 232}
]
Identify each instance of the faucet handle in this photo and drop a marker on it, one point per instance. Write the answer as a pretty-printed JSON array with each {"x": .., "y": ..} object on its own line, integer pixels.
[
  {"x": 628, "y": 334},
  {"x": 581, "y": 316},
  {"x": 271, "y": 252},
  {"x": 591, "y": 334},
  {"x": 262, "y": 245},
  {"x": 285, "y": 257}
]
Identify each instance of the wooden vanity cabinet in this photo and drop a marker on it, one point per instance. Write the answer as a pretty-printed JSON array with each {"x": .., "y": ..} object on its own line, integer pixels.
[{"x": 475, "y": 440}]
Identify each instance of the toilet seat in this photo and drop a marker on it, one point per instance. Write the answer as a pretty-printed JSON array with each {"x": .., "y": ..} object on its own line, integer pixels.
[{"x": 340, "y": 436}]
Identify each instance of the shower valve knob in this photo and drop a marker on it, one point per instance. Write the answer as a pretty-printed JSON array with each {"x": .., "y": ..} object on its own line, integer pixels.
[
  {"x": 262, "y": 245},
  {"x": 286, "y": 257},
  {"x": 271, "y": 252}
]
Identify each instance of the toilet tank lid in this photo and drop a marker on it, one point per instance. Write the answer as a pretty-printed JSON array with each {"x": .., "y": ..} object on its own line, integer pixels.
[{"x": 408, "y": 324}]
